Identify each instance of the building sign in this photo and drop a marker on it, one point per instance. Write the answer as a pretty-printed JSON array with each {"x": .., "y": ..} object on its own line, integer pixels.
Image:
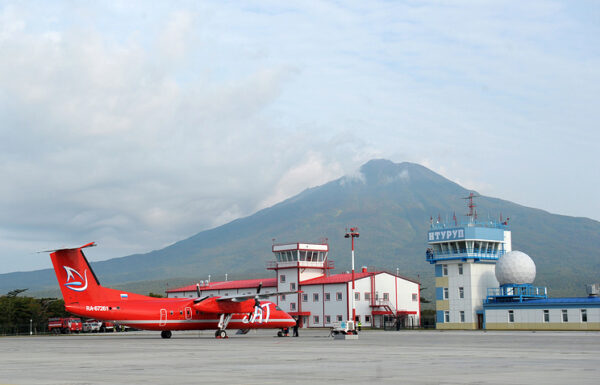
[{"x": 446, "y": 234}]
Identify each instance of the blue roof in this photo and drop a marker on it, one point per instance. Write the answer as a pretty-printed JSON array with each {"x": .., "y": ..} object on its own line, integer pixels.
[{"x": 548, "y": 302}]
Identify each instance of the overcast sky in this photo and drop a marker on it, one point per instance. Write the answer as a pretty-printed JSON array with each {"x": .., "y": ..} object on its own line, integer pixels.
[{"x": 138, "y": 124}]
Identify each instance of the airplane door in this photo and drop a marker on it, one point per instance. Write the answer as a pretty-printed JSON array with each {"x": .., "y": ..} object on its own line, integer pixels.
[
  {"x": 163, "y": 317},
  {"x": 188, "y": 313}
]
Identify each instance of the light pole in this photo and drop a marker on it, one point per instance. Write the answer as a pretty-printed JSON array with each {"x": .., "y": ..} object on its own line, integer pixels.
[{"x": 352, "y": 234}]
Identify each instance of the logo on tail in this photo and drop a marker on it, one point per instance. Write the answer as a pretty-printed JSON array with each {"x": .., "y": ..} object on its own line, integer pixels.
[{"x": 72, "y": 283}]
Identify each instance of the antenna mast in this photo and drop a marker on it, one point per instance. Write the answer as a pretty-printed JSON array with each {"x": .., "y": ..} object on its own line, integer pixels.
[{"x": 472, "y": 212}]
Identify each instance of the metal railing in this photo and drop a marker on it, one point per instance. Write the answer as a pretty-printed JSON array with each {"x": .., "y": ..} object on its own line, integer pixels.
[
  {"x": 512, "y": 292},
  {"x": 469, "y": 223},
  {"x": 463, "y": 253},
  {"x": 327, "y": 264}
]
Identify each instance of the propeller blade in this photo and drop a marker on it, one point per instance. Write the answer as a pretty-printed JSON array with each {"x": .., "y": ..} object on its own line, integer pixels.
[
  {"x": 198, "y": 289},
  {"x": 259, "y": 287},
  {"x": 200, "y": 299}
]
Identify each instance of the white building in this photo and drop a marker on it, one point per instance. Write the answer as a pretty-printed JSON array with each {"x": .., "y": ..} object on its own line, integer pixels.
[
  {"x": 518, "y": 305},
  {"x": 465, "y": 260},
  {"x": 324, "y": 298},
  {"x": 481, "y": 283}
]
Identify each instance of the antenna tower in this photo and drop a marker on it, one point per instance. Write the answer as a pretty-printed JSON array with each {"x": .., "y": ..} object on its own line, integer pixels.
[{"x": 472, "y": 212}]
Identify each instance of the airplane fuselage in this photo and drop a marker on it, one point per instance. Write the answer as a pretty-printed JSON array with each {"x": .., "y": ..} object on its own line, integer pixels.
[{"x": 178, "y": 314}]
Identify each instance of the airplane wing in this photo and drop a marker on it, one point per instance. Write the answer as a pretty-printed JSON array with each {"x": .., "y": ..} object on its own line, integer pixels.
[{"x": 243, "y": 297}]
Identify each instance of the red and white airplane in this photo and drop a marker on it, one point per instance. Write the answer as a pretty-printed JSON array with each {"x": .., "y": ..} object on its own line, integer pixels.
[{"x": 85, "y": 297}]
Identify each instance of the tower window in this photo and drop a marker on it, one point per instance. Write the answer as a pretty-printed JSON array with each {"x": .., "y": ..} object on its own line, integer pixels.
[
  {"x": 293, "y": 286},
  {"x": 315, "y": 297},
  {"x": 446, "y": 316},
  {"x": 304, "y": 297},
  {"x": 357, "y": 296},
  {"x": 444, "y": 270},
  {"x": 282, "y": 278},
  {"x": 460, "y": 269},
  {"x": 583, "y": 315},
  {"x": 462, "y": 316},
  {"x": 461, "y": 292},
  {"x": 546, "y": 315},
  {"x": 511, "y": 316},
  {"x": 327, "y": 296},
  {"x": 445, "y": 293},
  {"x": 293, "y": 306},
  {"x": 338, "y": 296},
  {"x": 565, "y": 315}
]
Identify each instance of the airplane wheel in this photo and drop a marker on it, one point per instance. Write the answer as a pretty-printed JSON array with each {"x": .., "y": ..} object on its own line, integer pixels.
[
  {"x": 221, "y": 334},
  {"x": 166, "y": 334},
  {"x": 279, "y": 334}
]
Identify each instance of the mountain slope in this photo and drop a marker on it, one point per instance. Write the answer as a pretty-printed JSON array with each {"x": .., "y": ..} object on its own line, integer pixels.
[{"x": 391, "y": 203}]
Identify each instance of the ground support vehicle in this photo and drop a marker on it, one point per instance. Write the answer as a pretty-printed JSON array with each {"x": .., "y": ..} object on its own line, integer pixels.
[
  {"x": 91, "y": 326},
  {"x": 64, "y": 325},
  {"x": 344, "y": 328}
]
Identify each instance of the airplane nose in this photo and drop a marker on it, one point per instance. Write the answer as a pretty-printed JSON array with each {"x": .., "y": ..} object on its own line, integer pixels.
[{"x": 290, "y": 320}]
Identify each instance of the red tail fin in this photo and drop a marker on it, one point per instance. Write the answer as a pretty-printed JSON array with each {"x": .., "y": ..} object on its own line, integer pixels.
[{"x": 76, "y": 279}]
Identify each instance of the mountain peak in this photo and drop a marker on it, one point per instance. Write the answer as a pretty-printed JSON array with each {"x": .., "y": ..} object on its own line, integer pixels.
[{"x": 384, "y": 172}]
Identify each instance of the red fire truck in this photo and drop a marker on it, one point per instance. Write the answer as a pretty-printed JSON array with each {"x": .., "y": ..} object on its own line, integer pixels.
[{"x": 64, "y": 325}]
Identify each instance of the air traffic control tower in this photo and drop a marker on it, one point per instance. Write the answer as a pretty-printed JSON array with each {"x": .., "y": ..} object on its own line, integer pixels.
[{"x": 465, "y": 255}]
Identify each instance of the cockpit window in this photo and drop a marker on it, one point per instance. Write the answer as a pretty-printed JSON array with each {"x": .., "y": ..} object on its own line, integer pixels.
[{"x": 277, "y": 308}]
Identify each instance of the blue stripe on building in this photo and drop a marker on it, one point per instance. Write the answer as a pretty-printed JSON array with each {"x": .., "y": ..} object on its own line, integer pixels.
[
  {"x": 439, "y": 316},
  {"x": 439, "y": 293}
]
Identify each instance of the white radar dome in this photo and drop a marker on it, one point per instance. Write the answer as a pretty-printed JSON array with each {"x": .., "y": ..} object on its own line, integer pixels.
[{"x": 515, "y": 268}]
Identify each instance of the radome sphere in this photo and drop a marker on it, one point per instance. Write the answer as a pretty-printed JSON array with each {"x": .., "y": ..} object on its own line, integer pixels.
[{"x": 515, "y": 268}]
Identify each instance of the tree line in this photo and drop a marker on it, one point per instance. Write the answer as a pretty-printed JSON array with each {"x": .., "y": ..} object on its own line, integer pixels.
[{"x": 22, "y": 314}]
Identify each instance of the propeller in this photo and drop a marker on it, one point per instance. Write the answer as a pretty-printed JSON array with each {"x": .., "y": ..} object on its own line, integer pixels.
[
  {"x": 199, "y": 297},
  {"x": 256, "y": 301}
]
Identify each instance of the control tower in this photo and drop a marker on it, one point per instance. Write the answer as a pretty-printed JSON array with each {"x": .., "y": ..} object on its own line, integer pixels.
[
  {"x": 465, "y": 255},
  {"x": 294, "y": 263}
]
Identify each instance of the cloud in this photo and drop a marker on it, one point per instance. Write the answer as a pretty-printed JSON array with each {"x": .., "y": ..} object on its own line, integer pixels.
[
  {"x": 312, "y": 171},
  {"x": 402, "y": 176},
  {"x": 355, "y": 177},
  {"x": 137, "y": 125}
]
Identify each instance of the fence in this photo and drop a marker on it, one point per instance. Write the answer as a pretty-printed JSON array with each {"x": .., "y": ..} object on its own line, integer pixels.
[{"x": 36, "y": 328}]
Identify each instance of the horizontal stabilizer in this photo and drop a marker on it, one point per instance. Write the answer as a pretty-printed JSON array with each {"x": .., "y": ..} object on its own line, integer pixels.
[{"x": 91, "y": 244}]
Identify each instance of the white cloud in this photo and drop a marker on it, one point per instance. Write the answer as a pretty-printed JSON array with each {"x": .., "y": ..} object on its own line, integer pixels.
[
  {"x": 312, "y": 170},
  {"x": 138, "y": 125}
]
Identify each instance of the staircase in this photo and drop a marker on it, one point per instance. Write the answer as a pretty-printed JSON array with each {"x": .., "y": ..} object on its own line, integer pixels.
[{"x": 386, "y": 309}]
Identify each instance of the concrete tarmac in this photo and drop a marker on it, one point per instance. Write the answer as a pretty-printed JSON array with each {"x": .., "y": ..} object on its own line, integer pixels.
[{"x": 410, "y": 357}]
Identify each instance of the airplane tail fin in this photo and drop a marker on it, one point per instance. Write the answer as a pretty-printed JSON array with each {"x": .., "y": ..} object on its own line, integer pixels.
[{"x": 77, "y": 281}]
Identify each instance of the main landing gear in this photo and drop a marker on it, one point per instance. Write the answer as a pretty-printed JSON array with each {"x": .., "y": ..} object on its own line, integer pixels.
[
  {"x": 221, "y": 334},
  {"x": 166, "y": 334},
  {"x": 223, "y": 322}
]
